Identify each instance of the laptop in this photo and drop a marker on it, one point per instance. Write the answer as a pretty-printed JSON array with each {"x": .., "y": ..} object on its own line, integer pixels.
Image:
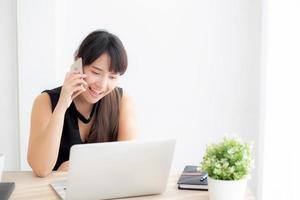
[{"x": 117, "y": 169}]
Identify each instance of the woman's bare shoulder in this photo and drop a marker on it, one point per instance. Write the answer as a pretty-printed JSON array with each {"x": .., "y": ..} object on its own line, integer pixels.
[
  {"x": 42, "y": 99},
  {"x": 42, "y": 103}
]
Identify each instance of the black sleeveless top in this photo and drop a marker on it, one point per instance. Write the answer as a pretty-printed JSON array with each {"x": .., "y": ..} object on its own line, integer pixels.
[{"x": 70, "y": 133}]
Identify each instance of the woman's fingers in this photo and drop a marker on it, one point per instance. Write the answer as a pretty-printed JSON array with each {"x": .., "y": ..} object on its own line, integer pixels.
[
  {"x": 74, "y": 84},
  {"x": 78, "y": 82},
  {"x": 77, "y": 91},
  {"x": 64, "y": 166},
  {"x": 71, "y": 75},
  {"x": 76, "y": 76}
]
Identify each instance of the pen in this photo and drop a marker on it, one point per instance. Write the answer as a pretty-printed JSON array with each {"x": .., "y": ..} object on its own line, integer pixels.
[{"x": 204, "y": 177}]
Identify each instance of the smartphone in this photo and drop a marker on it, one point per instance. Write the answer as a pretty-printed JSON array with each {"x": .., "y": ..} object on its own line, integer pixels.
[{"x": 77, "y": 66}]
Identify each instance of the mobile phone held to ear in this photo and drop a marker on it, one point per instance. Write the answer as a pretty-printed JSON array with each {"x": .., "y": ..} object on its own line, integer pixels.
[{"x": 77, "y": 66}]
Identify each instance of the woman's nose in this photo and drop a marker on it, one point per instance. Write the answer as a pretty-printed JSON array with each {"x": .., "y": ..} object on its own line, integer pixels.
[{"x": 102, "y": 83}]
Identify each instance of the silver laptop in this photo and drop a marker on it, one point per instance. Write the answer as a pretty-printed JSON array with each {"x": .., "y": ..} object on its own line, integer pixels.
[{"x": 117, "y": 169}]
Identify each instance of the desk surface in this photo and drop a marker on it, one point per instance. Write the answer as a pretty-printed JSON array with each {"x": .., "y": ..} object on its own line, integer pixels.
[{"x": 28, "y": 186}]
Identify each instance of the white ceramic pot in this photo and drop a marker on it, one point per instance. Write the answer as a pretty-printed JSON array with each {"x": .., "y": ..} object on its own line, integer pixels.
[
  {"x": 1, "y": 164},
  {"x": 226, "y": 190}
]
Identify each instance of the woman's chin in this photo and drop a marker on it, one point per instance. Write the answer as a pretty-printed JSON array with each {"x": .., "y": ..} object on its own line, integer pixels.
[{"x": 91, "y": 99}]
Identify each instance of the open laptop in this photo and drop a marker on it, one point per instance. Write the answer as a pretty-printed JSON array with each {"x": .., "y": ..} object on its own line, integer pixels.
[{"x": 117, "y": 169}]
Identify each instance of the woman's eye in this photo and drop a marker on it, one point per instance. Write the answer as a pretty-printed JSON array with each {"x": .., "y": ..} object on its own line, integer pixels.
[
  {"x": 113, "y": 77},
  {"x": 95, "y": 73}
]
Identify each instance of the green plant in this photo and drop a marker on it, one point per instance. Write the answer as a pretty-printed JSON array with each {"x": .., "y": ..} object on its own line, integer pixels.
[{"x": 230, "y": 159}]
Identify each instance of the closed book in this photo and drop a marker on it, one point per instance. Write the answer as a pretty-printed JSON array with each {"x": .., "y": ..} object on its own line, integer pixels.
[
  {"x": 6, "y": 189},
  {"x": 193, "y": 179}
]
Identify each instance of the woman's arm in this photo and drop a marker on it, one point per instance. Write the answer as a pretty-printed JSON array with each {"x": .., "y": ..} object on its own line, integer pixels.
[
  {"x": 127, "y": 119},
  {"x": 46, "y": 127},
  {"x": 45, "y": 135}
]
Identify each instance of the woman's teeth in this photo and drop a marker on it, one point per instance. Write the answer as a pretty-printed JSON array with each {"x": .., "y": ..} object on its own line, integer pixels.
[{"x": 93, "y": 92}]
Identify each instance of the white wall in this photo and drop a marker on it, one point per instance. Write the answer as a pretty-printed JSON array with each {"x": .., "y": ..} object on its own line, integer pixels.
[
  {"x": 36, "y": 57},
  {"x": 9, "y": 143},
  {"x": 281, "y": 47},
  {"x": 193, "y": 65}
]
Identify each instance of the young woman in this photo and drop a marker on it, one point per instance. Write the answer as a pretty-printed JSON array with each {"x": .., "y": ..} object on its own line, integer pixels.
[{"x": 87, "y": 108}]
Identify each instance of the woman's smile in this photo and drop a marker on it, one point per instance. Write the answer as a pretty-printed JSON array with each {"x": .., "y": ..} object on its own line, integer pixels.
[{"x": 93, "y": 92}]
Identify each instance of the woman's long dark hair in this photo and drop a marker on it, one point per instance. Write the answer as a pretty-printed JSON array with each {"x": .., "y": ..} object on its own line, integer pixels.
[{"x": 105, "y": 127}]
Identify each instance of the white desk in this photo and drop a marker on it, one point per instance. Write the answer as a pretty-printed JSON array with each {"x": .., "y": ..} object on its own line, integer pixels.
[{"x": 30, "y": 187}]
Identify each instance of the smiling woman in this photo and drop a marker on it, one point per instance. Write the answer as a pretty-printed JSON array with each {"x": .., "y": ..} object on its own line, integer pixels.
[{"x": 87, "y": 108}]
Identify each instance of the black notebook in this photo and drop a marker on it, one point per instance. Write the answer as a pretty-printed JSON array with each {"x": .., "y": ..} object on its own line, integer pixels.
[
  {"x": 192, "y": 179},
  {"x": 6, "y": 189}
]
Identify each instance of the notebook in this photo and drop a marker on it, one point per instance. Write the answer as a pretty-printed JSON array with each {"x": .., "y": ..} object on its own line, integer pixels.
[
  {"x": 193, "y": 179},
  {"x": 6, "y": 188}
]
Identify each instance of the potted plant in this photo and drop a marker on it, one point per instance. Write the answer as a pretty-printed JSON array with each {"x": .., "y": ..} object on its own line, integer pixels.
[{"x": 228, "y": 165}]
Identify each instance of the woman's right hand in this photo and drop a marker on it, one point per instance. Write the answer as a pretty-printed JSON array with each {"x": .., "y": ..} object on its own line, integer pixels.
[{"x": 73, "y": 86}]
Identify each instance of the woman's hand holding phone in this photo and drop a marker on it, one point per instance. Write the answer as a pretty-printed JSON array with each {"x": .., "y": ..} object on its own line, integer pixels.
[{"x": 73, "y": 86}]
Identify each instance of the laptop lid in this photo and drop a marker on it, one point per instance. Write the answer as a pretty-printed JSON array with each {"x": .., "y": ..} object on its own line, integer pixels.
[{"x": 119, "y": 169}]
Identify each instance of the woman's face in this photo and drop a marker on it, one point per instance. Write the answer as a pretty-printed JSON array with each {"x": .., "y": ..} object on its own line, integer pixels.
[{"x": 99, "y": 79}]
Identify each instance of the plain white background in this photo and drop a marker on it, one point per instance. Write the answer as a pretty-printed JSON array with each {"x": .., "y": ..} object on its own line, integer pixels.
[
  {"x": 9, "y": 135},
  {"x": 193, "y": 67},
  {"x": 280, "y": 150}
]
